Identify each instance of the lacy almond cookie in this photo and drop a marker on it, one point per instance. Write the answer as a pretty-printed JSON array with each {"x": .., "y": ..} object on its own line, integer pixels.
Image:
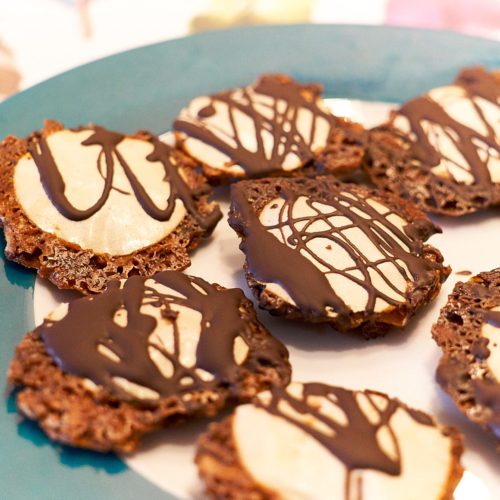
[
  {"x": 324, "y": 251},
  {"x": 144, "y": 354},
  {"x": 87, "y": 205},
  {"x": 324, "y": 442},
  {"x": 276, "y": 126},
  {"x": 468, "y": 332},
  {"x": 442, "y": 150}
]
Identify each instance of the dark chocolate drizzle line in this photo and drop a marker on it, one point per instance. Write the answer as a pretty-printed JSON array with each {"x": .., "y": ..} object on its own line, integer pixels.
[
  {"x": 73, "y": 341},
  {"x": 479, "y": 348},
  {"x": 477, "y": 83},
  {"x": 54, "y": 185},
  {"x": 256, "y": 163},
  {"x": 355, "y": 444},
  {"x": 487, "y": 394},
  {"x": 271, "y": 261},
  {"x": 492, "y": 317}
]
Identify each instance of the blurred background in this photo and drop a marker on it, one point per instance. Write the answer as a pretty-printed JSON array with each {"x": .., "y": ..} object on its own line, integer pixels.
[{"x": 41, "y": 38}]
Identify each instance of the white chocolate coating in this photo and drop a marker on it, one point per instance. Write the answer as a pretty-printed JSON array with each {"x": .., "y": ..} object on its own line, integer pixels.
[
  {"x": 230, "y": 124},
  {"x": 471, "y": 112},
  {"x": 121, "y": 226},
  {"x": 328, "y": 255},
  {"x": 285, "y": 459}
]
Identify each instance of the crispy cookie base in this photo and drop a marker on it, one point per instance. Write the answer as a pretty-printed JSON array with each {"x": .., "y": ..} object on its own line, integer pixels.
[{"x": 67, "y": 265}]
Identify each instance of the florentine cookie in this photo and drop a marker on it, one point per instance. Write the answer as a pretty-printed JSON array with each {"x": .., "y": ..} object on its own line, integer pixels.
[
  {"x": 468, "y": 331},
  {"x": 87, "y": 205},
  {"x": 323, "y": 442},
  {"x": 323, "y": 251},
  {"x": 275, "y": 126},
  {"x": 442, "y": 150},
  {"x": 144, "y": 354}
]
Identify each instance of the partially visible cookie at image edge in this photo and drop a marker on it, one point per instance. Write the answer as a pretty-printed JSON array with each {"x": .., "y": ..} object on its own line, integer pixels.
[
  {"x": 442, "y": 150},
  {"x": 145, "y": 354},
  {"x": 318, "y": 441},
  {"x": 468, "y": 332},
  {"x": 86, "y": 205},
  {"x": 324, "y": 251},
  {"x": 275, "y": 126}
]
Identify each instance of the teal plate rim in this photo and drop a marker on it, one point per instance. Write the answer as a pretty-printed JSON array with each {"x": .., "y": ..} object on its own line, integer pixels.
[{"x": 145, "y": 88}]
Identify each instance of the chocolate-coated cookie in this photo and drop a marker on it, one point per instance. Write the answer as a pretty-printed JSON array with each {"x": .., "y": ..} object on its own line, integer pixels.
[
  {"x": 145, "y": 354},
  {"x": 87, "y": 205},
  {"x": 323, "y": 442},
  {"x": 325, "y": 251},
  {"x": 276, "y": 126},
  {"x": 442, "y": 150}
]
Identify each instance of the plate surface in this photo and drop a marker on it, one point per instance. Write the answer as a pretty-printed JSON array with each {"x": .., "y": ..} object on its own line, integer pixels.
[{"x": 145, "y": 88}]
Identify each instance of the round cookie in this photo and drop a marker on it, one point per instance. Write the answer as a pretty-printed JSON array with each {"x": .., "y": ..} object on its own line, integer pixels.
[
  {"x": 468, "y": 332},
  {"x": 87, "y": 205},
  {"x": 276, "y": 126},
  {"x": 323, "y": 442},
  {"x": 144, "y": 354},
  {"x": 323, "y": 251},
  {"x": 442, "y": 150}
]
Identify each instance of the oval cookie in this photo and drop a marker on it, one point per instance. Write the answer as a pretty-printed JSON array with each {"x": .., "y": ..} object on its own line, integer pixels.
[
  {"x": 86, "y": 205},
  {"x": 145, "y": 354}
]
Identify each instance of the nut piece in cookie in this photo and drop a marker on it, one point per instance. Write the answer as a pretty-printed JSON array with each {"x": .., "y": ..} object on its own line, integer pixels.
[
  {"x": 468, "y": 332},
  {"x": 442, "y": 150},
  {"x": 275, "y": 126},
  {"x": 87, "y": 205},
  {"x": 324, "y": 251},
  {"x": 144, "y": 354},
  {"x": 323, "y": 442}
]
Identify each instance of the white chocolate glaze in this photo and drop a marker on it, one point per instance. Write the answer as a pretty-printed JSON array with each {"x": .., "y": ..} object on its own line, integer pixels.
[
  {"x": 474, "y": 113},
  {"x": 286, "y": 459},
  {"x": 329, "y": 255},
  {"x": 121, "y": 226},
  {"x": 237, "y": 120}
]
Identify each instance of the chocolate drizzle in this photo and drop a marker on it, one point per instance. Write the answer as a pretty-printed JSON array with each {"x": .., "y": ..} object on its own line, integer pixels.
[
  {"x": 476, "y": 83},
  {"x": 354, "y": 443},
  {"x": 90, "y": 322},
  {"x": 269, "y": 260},
  {"x": 54, "y": 185},
  {"x": 280, "y": 122},
  {"x": 492, "y": 318},
  {"x": 487, "y": 394},
  {"x": 479, "y": 348}
]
